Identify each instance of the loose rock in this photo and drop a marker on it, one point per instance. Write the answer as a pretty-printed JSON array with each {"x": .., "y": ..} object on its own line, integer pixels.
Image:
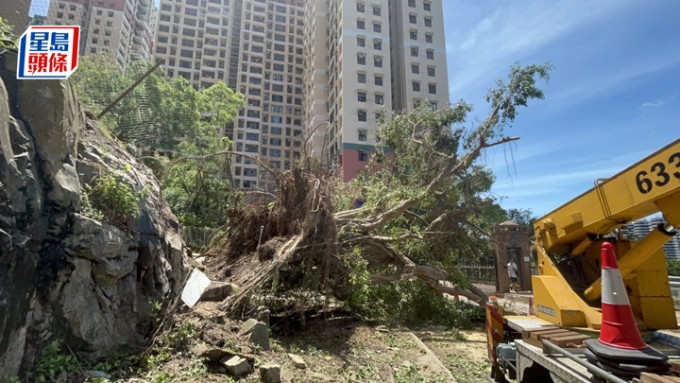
[
  {"x": 270, "y": 373},
  {"x": 257, "y": 332},
  {"x": 298, "y": 362},
  {"x": 236, "y": 366}
]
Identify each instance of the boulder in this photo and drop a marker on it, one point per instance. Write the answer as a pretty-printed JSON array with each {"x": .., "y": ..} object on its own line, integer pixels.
[{"x": 68, "y": 276}]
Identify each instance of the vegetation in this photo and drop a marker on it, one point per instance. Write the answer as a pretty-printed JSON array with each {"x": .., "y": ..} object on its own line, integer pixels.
[
  {"x": 112, "y": 200},
  {"x": 426, "y": 207},
  {"x": 175, "y": 129},
  {"x": 673, "y": 267},
  {"x": 8, "y": 39}
]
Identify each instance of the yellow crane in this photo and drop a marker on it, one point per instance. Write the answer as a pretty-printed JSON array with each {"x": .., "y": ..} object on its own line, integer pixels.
[{"x": 567, "y": 287}]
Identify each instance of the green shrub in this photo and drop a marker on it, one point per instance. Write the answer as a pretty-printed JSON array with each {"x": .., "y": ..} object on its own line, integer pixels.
[
  {"x": 8, "y": 39},
  {"x": 53, "y": 362},
  {"x": 406, "y": 302},
  {"x": 115, "y": 201}
]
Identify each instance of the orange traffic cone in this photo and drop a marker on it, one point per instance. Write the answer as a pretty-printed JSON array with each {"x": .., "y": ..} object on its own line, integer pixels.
[
  {"x": 620, "y": 348},
  {"x": 618, "y": 324}
]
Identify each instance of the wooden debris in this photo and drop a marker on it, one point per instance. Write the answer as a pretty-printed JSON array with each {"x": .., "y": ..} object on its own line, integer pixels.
[
  {"x": 647, "y": 377},
  {"x": 559, "y": 336}
]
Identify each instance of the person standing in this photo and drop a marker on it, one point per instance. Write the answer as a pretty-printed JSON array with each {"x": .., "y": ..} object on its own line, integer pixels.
[{"x": 512, "y": 273}]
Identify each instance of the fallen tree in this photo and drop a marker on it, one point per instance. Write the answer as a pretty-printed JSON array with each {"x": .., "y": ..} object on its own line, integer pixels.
[{"x": 424, "y": 206}]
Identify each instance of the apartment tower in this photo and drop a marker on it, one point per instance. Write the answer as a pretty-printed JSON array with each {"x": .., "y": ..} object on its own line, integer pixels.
[
  {"x": 317, "y": 75},
  {"x": 121, "y": 27},
  {"x": 15, "y": 13},
  {"x": 383, "y": 57}
]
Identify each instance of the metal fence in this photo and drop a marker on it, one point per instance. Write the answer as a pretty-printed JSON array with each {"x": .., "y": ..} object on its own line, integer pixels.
[
  {"x": 197, "y": 238},
  {"x": 479, "y": 273}
]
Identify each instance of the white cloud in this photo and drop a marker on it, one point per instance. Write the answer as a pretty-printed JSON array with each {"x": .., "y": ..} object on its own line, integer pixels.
[
  {"x": 654, "y": 104},
  {"x": 659, "y": 102},
  {"x": 512, "y": 31}
]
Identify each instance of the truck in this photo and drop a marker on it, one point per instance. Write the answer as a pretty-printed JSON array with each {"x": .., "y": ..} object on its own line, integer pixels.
[{"x": 567, "y": 287}]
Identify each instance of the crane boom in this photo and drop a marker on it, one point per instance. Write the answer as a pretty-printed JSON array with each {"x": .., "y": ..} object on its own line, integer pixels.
[
  {"x": 651, "y": 185},
  {"x": 573, "y": 233}
]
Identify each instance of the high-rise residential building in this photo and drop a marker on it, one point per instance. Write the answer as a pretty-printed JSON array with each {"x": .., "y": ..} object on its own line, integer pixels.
[
  {"x": 15, "y": 13},
  {"x": 317, "y": 75},
  {"x": 383, "y": 57},
  {"x": 121, "y": 27}
]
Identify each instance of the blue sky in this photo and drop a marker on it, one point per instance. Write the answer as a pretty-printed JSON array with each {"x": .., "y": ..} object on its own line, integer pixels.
[{"x": 613, "y": 97}]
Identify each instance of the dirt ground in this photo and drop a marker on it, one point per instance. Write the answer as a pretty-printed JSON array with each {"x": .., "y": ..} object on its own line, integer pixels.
[
  {"x": 462, "y": 352},
  {"x": 339, "y": 349}
]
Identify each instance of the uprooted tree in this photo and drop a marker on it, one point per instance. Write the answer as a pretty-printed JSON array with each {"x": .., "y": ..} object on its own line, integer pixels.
[{"x": 425, "y": 206}]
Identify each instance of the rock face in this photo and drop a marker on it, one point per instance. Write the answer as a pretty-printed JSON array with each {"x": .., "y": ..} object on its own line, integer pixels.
[{"x": 66, "y": 277}]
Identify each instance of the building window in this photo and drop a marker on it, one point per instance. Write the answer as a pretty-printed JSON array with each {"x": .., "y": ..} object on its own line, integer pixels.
[
  {"x": 430, "y": 54},
  {"x": 379, "y": 99},
  {"x": 415, "y": 85},
  {"x": 363, "y": 134},
  {"x": 412, "y": 3},
  {"x": 428, "y": 38},
  {"x": 428, "y": 21},
  {"x": 250, "y": 172},
  {"x": 433, "y": 105},
  {"x": 430, "y": 71},
  {"x": 377, "y": 27},
  {"x": 427, "y": 6},
  {"x": 361, "y": 115},
  {"x": 361, "y": 58},
  {"x": 361, "y": 96},
  {"x": 377, "y": 44},
  {"x": 377, "y": 61},
  {"x": 415, "y": 69},
  {"x": 361, "y": 7},
  {"x": 361, "y": 78},
  {"x": 363, "y": 156},
  {"x": 376, "y": 10},
  {"x": 361, "y": 24},
  {"x": 412, "y": 18},
  {"x": 378, "y": 80},
  {"x": 361, "y": 41},
  {"x": 414, "y": 51},
  {"x": 432, "y": 88},
  {"x": 413, "y": 34}
]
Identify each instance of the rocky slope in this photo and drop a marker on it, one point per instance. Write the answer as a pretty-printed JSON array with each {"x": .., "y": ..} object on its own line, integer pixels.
[{"x": 91, "y": 285}]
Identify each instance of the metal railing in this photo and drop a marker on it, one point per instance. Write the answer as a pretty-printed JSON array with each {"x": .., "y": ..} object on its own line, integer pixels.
[
  {"x": 479, "y": 273},
  {"x": 197, "y": 238}
]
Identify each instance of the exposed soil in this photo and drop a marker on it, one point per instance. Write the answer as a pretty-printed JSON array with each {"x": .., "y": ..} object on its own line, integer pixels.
[
  {"x": 339, "y": 349},
  {"x": 463, "y": 352}
]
